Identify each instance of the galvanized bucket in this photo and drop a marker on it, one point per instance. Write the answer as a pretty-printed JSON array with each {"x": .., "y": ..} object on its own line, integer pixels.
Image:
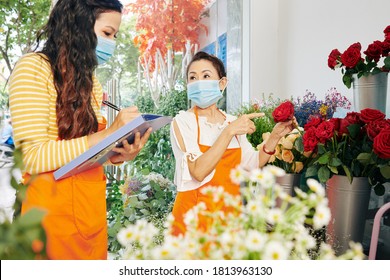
[
  {"x": 370, "y": 91},
  {"x": 348, "y": 203},
  {"x": 288, "y": 182}
]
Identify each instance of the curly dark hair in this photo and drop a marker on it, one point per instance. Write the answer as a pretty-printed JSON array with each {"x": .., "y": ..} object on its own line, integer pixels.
[
  {"x": 215, "y": 61},
  {"x": 70, "y": 49}
]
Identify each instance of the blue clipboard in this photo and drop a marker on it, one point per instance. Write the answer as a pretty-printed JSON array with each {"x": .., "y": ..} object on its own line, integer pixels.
[{"x": 101, "y": 152}]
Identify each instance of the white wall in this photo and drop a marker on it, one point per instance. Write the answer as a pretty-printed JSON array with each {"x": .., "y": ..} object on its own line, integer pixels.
[{"x": 291, "y": 41}]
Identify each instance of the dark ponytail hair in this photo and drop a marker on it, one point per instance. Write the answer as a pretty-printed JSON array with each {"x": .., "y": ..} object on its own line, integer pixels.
[
  {"x": 216, "y": 62},
  {"x": 70, "y": 48}
]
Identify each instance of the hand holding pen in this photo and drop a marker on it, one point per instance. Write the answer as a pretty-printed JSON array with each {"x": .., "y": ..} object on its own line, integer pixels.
[{"x": 127, "y": 151}]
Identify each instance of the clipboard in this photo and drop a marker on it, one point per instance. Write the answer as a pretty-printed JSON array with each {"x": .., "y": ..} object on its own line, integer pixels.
[{"x": 97, "y": 155}]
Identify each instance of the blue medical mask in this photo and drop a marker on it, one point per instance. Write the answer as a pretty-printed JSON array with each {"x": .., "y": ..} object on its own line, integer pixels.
[
  {"x": 104, "y": 49},
  {"x": 204, "y": 93}
]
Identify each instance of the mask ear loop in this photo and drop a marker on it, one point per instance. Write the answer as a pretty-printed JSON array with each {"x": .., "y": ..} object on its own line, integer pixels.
[{"x": 227, "y": 82}]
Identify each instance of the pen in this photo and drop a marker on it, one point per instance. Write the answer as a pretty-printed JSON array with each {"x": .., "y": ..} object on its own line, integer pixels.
[{"x": 111, "y": 105}]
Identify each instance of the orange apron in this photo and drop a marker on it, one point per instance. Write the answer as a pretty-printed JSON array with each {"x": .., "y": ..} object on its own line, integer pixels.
[
  {"x": 75, "y": 223},
  {"x": 186, "y": 200}
]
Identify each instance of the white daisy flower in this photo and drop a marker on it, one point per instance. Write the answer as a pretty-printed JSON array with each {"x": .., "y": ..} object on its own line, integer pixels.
[
  {"x": 255, "y": 241},
  {"x": 321, "y": 217},
  {"x": 275, "y": 250},
  {"x": 276, "y": 171},
  {"x": 238, "y": 175},
  {"x": 126, "y": 235},
  {"x": 316, "y": 187},
  {"x": 274, "y": 216}
]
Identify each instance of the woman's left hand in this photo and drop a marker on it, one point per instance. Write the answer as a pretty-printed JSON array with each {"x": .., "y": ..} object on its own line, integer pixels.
[
  {"x": 282, "y": 128},
  {"x": 130, "y": 151}
]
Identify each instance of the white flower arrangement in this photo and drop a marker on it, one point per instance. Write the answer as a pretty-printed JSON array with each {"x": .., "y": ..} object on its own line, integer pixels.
[{"x": 253, "y": 228}]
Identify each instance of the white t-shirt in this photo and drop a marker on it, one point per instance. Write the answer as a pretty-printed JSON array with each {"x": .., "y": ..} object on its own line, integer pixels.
[{"x": 209, "y": 133}]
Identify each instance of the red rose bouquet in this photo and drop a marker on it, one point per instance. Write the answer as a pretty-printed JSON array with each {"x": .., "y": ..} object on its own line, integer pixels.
[
  {"x": 356, "y": 146},
  {"x": 351, "y": 60}
]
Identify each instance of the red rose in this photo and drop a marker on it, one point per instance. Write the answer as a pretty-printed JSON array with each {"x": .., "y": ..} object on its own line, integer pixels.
[
  {"x": 352, "y": 56},
  {"x": 284, "y": 112},
  {"x": 375, "y": 127},
  {"x": 336, "y": 124},
  {"x": 387, "y": 32},
  {"x": 386, "y": 47},
  {"x": 351, "y": 118},
  {"x": 333, "y": 58},
  {"x": 325, "y": 131},
  {"x": 369, "y": 115},
  {"x": 374, "y": 51},
  {"x": 314, "y": 121},
  {"x": 382, "y": 144},
  {"x": 310, "y": 140}
]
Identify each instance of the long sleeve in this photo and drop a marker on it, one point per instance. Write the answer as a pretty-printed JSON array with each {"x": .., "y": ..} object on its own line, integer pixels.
[{"x": 33, "y": 112}]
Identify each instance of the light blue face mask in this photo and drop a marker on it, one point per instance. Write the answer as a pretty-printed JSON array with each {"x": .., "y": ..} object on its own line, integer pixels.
[
  {"x": 204, "y": 93},
  {"x": 104, "y": 49}
]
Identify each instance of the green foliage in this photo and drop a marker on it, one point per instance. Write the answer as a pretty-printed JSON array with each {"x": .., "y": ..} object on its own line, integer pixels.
[
  {"x": 157, "y": 155},
  {"x": 24, "y": 238},
  {"x": 350, "y": 155},
  {"x": 143, "y": 195},
  {"x": 20, "y": 22},
  {"x": 145, "y": 103},
  {"x": 173, "y": 102}
]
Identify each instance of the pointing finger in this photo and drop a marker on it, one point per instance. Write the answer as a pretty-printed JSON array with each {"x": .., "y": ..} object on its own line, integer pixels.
[{"x": 255, "y": 115}]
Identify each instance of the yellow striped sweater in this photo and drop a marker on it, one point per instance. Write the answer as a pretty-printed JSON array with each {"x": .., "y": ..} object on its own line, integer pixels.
[{"x": 32, "y": 98}]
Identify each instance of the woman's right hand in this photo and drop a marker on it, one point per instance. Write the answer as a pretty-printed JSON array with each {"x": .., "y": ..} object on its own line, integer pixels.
[
  {"x": 124, "y": 116},
  {"x": 244, "y": 124}
]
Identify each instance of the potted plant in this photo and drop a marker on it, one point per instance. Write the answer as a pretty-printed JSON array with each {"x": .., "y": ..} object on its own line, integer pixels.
[
  {"x": 355, "y": 146},
  {"x": 351, "y": 155},
  {"x": 351, "y": 61}
]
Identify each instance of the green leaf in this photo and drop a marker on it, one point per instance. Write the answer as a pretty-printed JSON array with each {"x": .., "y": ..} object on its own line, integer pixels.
[
  {"x": 321, "y": 149},
  {"x": 311, "y": 172},
  {"x": 387, "y": 62},
  {"x": 142, "y": 196},
  {"x": 299, "y": 145},
  {"x": 364, "y": 158},
  {"x": 347, "y": 173},
  {"x": 333, "y": 169},
  {"x": 145, "y": 212},
  {"x": 385, "y": 171},
  {"x": 324, "y": 159},
  {"x": 354, "y": 130},
  {"x": 347, "y": 80},
  {"x": 335, "y": 162},
  {"x": 31, "y": 218},
  {"x": 323, "y": 174}
]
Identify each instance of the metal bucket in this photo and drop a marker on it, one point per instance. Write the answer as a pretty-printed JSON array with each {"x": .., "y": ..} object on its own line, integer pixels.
[
  {"x": 348, "y": 205},
  {"x": 288, "y": 182},
  {"x": 370, "y": 91}
]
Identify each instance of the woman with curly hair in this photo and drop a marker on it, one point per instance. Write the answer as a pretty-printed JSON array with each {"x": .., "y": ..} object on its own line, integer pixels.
[{"x": 55, "y": 102}]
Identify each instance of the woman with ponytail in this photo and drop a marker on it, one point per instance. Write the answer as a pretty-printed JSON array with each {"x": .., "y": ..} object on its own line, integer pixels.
[{"x": 55, "y": 102}]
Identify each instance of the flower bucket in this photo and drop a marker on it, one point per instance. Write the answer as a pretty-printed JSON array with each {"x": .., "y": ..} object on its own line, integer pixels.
[
  {"x": 348, "y": 203},
  {"x": 370, "y": 91},
  {"x": 288, "y": 182}
]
